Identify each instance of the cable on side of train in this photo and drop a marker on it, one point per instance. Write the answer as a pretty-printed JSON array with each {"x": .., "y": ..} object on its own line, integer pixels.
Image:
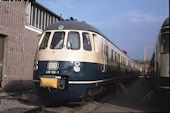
[
  {"x": 159, "y": 68},
  {"x": 74, "y": 58}
]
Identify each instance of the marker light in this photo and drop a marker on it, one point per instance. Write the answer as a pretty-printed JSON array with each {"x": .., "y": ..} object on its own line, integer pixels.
[{"x": 77, "y": 63}]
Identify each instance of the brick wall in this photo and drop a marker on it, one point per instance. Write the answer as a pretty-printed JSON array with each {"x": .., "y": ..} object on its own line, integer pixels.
[
  {"x": 19, "y": 44},
  {"x": 31, "y": 40}
]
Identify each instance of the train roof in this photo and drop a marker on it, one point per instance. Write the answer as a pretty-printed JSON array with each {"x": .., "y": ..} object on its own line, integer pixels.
[
  {"x": 166, "y": 22},
  {"x": 73, "y": 25},
  {"x": 165, "y": 26}
]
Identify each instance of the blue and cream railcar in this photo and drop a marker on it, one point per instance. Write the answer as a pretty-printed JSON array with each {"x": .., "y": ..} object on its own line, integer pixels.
[{"x": 73, "y": 57}]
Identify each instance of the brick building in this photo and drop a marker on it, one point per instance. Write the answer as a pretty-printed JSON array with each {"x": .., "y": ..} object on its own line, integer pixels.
[{"x": 21, "y": 23}]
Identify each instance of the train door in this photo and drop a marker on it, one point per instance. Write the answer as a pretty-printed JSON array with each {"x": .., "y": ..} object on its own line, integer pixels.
[
  {"x": 1, "y": 56},
  {"x": 105, "y": 55},
  {"x": 103, "y": 58},
  {"x": 95, "y": 42}
]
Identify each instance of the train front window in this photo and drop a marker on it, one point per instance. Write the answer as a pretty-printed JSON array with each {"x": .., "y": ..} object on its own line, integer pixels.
[
  {"x": 164, "y": 44},
  {"x": 73, "y": 41},
  {"x": 58, "y": 40},
  {"x": 44, "y": 42},
  {"x": 86, "y": 42}
]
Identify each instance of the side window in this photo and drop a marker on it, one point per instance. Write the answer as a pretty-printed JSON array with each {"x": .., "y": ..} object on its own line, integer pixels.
[
  {"x": 122, "y": 60},
  {"x": 58, "y": 40},
  {"x": 118, "y": 57},
  {"x": 115, "y": 56},
  {"x": 73, "y": 41},
  {"x": 126, "y": 62},
  {"x": 129, "y": 63},
  {"x": 44, "y": 42},
  {"x": 112, "y": 55},
  {"x": 107, "y": 51},
  {"x": 86, "y": 42}
]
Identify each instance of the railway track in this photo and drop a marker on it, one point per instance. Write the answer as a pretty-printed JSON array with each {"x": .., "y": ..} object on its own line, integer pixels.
[
  {"x": 38, "y": 106},
  {"x": 68, "y": 108},
  {"x": 12, "y": 96}
]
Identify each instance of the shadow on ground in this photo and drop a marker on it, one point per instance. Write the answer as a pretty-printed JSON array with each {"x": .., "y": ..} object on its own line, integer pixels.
[{"x": 137, "y": 90}]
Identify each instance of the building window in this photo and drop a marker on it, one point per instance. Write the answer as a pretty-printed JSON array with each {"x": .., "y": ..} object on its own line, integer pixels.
[
  {"x": 39, "y": 22},
  {"x": 32, "y": 16},
  {"x": 45, "y": 20},
  {"x": 40, "y": 17},
  {"x": 36, "y": 17}
]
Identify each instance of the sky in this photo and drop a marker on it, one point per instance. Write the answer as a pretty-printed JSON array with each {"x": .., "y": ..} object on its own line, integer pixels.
[{"x": 129, "y": 24}]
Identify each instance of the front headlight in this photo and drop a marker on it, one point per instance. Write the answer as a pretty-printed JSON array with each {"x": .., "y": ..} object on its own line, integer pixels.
[
  {"x": 76, "y": 69},
  {"x": 52, "y": 66}
]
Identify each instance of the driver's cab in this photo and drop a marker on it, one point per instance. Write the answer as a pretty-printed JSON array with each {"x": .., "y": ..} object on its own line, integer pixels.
[{"x": 71, "y": 40}]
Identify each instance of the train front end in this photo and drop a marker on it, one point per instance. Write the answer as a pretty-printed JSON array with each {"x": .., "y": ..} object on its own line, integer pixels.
[
  {"x": 65, "y": 63},
  {"x": 57, "y": 62}
]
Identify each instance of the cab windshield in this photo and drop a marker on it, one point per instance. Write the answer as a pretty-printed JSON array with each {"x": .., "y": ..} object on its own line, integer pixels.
[
  {"x": 57, "y": 40},
  {"x": 44, "y": 41},
  {"x": 86, "y": 42},
  {"x": 73, "y": 41}
]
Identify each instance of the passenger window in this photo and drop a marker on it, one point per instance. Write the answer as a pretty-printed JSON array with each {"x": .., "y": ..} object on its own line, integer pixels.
[
  {"x": 123, "y": 60},
  {"x": 73, "y": 41},
  {"x": 112, "y": 55},
  {"x": 126, "y": 62},
  {"x": 115, "y": 56},
  {"x": 58, "y": 40},
  {"x": 86, "y": 42},
  {"x": 44, "y": 42},
  {"x": 118, "y": 58},
  {"x": 107, "y": 51}
]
